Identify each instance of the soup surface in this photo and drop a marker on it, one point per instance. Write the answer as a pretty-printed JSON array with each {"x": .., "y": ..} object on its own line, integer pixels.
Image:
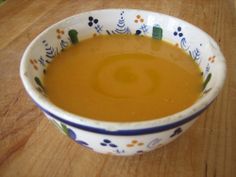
[{"x": 123, "y": 78}]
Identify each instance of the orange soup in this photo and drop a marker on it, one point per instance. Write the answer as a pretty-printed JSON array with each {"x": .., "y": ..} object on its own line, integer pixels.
[{"x": 123, "y": 78}]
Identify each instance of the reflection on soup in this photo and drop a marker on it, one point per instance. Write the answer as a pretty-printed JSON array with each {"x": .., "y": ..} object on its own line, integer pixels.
[{"x": 123, "y": 78}]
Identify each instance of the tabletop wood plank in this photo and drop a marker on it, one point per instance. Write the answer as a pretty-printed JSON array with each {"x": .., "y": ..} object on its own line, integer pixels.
[{"x": 30, "y": 146}]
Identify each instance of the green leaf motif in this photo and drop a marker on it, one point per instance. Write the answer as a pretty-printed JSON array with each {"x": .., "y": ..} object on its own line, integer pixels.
[
  {"x": 73, "y": 36},
  {"x": 57, "y": 125},
  {"x": 206, "y": 81},
  {"x": 38, "y": 82},
  {"x": 157, "y": 32},
  {"x": 64, "y": 128}
]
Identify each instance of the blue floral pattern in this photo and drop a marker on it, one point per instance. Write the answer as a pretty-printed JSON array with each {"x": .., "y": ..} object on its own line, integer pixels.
[
  {"x": 122, "y": 25},
  {"x": 72, "y": 135},
  {"x": 195, "y": 54},
  {"x": 121, "y": 28}
]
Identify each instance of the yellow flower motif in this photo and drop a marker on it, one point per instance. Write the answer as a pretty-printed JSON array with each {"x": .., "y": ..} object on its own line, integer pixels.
[
  {"x": 135, "y": 143},
  {"x": 139, "y": 19}
]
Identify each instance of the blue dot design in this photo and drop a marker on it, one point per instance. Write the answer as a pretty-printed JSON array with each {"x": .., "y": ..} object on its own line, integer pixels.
[
  {"x": 178, "y": 32},
  {"x": 107, "y": 142},
  {"x": 92, "y": 21}
]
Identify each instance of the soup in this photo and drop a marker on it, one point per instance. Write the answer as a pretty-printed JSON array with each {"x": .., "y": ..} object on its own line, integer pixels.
[{"x": 123, "y": 78}]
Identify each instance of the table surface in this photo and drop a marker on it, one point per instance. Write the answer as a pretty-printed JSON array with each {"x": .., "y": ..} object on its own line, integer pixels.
[{"x": 31, "y": 146}]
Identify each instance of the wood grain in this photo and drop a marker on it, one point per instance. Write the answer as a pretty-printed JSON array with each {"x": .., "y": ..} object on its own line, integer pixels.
[{"x": 31, "y": 146}]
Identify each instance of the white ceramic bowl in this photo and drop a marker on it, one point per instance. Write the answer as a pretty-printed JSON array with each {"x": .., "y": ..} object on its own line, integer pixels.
[{"x": 112, "y": 137}]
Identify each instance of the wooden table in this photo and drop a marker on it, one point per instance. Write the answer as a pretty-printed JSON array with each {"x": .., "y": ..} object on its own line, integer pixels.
[{"x": 31, "y": 146}]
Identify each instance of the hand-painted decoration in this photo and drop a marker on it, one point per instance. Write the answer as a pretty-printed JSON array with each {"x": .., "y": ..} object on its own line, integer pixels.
[
  {"x": 121, "y": 27},
  {"x": 135, "y": 143},
  {"x": 157, "y": 32},
  {"x": 176, "y": 132},
  {"x": 93, "y": 22},
  {"x": 107, "y": 142},
  {"x": 40, "y": 86},
  {"x": 69, "y": 132},
  {"x": 73, "y": 34},
  {"x": 154, "y": 143}
]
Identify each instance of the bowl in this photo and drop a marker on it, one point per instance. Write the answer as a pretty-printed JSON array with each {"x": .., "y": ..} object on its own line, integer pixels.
[{"x": 116, "y": 137}]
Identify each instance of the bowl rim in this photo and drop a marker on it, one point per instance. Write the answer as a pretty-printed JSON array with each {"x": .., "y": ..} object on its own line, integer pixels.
[{"x": 123, "y": 128}]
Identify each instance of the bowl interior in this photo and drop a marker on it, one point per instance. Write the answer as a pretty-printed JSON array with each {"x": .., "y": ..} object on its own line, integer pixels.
[{"x": 202, "y": 48}]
